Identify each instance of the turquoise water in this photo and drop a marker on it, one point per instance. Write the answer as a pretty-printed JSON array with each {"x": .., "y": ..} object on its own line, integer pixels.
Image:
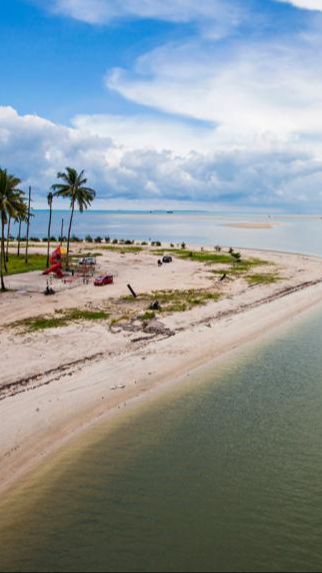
[
  {"x": 222, "y": 474},
  {"x": 297, "y": 235}
]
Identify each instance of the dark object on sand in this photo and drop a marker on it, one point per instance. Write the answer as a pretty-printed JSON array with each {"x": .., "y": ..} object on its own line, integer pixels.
[
  {"x": 222, "y": 278},
  {"x": 159, "y": 263},
  {"x": 49, "y": 291},
  {"x": 155, "y": 305},
  {"x": 167, "y": 259},
  {"x": 133, "y": 293}
]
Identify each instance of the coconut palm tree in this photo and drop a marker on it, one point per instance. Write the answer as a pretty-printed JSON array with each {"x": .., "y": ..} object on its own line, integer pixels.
[
  {"x": 22, "y": 218},
  {"x": 50, "y": 198},
  {"x": 74, "y": 187},
  {"x": 11, "y": 206}
]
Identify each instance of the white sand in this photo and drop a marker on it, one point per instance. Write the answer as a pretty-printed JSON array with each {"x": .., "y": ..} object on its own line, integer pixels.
[{"x": 86, "y": 371}]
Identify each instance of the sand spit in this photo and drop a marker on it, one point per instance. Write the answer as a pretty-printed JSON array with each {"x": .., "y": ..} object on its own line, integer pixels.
[{"x": 57, "y": 381}]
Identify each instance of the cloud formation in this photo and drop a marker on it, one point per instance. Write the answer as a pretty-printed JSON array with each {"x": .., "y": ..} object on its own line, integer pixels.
[
  {"x": 36, "y": 149},
  {"x": 179, "y": 11},
  {"x": 305, "y": 4},
  {"x": 223, "y": 116}
]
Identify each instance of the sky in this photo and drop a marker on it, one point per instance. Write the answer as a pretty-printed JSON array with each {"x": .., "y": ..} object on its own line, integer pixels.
[{"x": 166, "y": 103}]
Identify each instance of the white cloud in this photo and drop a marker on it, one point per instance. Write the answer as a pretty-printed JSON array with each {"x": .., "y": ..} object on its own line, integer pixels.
[
  {"x": 254, "y": 87},
  {"x": 215, "y": 18},
  {"x": 305, "y": 4},
  {"x": 35, "y": 149}
]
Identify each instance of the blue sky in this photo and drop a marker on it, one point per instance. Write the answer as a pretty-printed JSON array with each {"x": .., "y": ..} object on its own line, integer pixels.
[{"x": 216, "y": 103}]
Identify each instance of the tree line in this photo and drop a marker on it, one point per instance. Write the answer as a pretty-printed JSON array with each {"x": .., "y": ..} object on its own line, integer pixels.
[{"x": 15, "y": 206}]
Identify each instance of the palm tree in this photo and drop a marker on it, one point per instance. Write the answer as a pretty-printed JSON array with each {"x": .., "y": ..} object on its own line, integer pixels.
[
  {"x": 74, "y": 188},
  {"x": 8, "y": 240},
  {"x": 11, "y": 206},
  {"x": 50, "y": 198},
  {"x": 22, "y": 218}
]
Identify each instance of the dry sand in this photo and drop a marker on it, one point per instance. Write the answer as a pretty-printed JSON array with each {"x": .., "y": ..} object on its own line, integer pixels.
[{"x": 56, "y": 382}]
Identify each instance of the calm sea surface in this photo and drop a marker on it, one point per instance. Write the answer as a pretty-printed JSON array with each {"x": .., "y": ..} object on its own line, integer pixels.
[
  {"x": 221, "y": 474},
  {"x": 290, "y": 234}
]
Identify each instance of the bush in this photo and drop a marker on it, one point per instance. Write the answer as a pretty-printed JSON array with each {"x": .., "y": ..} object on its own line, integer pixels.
[
  {"x": 89, "y": 239},
  {"x": 144, "y": 243},
  {"x": 114, "y": 242},
  {"x": 156, "y": 244},
  {"x": 76, "y": 239},
  {"x": 98, "y": 239},
  {"x": 107, "y": 239},
  {"x": 237, "y": 256},
  {"x": 218, "y": 248},
  {"x": 183, "y": 245},
  {"x": 128, "y": 242},
  {"x": 35, "y": 239}
]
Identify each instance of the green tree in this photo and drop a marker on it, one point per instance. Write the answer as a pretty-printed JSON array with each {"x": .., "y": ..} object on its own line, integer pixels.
[
  {"x": 12, "y": 206},
  {"x": 73, "y": 187}
]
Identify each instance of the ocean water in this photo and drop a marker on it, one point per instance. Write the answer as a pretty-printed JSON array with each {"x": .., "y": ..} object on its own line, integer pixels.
[
  {"x": 201, "y": 228},
  {"x": 220, "y": 474}
]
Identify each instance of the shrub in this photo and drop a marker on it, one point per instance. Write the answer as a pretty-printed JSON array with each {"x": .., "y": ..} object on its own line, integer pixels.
[
  {"x": 218, "y": 248},
  {"x": 183, "y": 245},
  {"x": 89, "y": 239},
  {"x": 98, "y": 239},
  {"x": 115, "y": 242},
  {"x": 237, "y": 256},
  {"x": 107, "y": 239}
]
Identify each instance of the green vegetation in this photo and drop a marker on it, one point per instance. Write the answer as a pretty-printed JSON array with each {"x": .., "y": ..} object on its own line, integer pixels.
[
  {"x": 263, "y": 279},
  {"x": 61, "y": 319},
  {"x": 172, "y": 301},
  {"x": 148, "y": 315},
  {"x": 206, "y": 257},
  {"x": 74, "y": 188},
  {"x": 121, "y": 249},
  {"x": 17, "y": 265}
]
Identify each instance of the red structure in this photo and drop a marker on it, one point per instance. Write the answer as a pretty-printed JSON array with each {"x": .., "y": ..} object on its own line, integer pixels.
[{"x": 56, "y": 264}]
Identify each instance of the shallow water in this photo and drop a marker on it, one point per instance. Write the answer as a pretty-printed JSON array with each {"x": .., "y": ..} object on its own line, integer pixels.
[
  {"x": 221, "y": 474},
  {"x": 289, "y": 234}
]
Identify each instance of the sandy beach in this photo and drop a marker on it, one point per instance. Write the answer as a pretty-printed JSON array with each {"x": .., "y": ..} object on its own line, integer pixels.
[{"x": 55, "y": 382}]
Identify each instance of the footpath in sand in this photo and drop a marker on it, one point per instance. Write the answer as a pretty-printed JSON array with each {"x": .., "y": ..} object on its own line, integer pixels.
[{"x": 56, "y": 381}]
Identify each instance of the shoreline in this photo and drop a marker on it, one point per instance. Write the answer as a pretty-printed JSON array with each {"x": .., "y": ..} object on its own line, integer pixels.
[{"x": 40, "y": 423}]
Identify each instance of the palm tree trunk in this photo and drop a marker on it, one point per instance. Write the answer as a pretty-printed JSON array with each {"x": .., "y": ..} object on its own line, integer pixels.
[
  {"x": 8, "y": 239},
  {"x": 49, "y": 229},
  {"x": 28, "y": 226},
  {"x": 19, "y": 238},
  {"x": 69, "y": 232},
  {"x": 2, "y": 255}
]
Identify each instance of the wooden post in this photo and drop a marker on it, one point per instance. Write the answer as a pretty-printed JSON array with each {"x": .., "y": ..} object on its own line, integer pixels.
[{"x": 132, "y": 291}]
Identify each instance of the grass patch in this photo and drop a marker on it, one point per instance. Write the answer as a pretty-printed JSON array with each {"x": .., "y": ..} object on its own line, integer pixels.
[
  {"x": 172, "y": 301},
  {"x": 17, "y": 265},
  {"x": 123, "y": 249},
  {"x": 263, "y": 279},
  {"x": 148, "y": 315},
  {"x": 40, "y": 323},
  {"x": 206, "y": 257}
]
